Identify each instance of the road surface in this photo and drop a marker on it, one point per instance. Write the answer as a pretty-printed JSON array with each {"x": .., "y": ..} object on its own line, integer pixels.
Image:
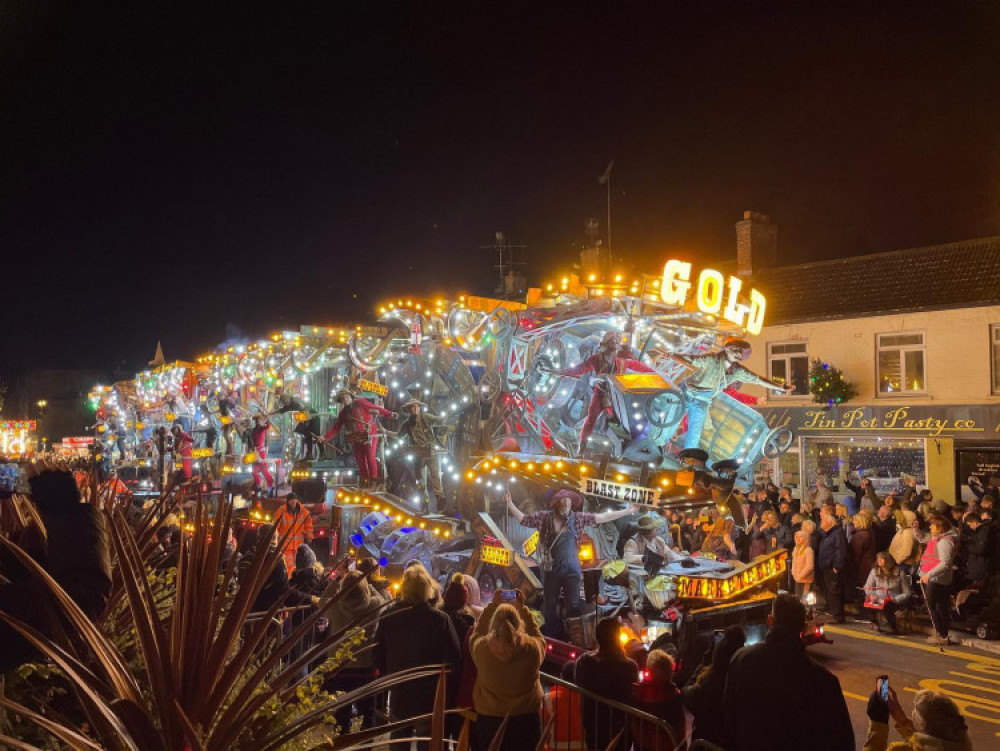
[{"x": 970, "y": 677}]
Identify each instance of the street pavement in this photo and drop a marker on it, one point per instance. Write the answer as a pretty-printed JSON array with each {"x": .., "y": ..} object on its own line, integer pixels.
[{"x": 970, "y": 677}]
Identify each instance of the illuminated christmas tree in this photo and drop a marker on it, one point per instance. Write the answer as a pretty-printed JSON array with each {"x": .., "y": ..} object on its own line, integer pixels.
[{"x": 828, "y": 386}]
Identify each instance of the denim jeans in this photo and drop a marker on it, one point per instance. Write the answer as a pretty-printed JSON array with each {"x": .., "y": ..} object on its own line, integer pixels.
[{"x": 697, "y": 411}]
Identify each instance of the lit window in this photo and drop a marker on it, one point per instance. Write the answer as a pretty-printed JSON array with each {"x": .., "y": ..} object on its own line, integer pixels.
[
  {"x": 901, "y": 363},
  {"x": 788, "y": 363}
]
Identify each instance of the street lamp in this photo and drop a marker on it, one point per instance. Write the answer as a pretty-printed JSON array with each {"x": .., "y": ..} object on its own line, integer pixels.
[{"x": 42, "y": 403}]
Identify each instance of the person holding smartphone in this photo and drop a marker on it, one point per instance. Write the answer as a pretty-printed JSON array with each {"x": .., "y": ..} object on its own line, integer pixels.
[
  {"x": 935, "y": 722},
  {"x": 508, "y": 650}
]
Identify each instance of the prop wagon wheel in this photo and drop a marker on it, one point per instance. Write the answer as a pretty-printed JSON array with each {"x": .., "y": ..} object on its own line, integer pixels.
[
  {"x": 666, "y": 409},
  {"x": 777, "y": 442}
]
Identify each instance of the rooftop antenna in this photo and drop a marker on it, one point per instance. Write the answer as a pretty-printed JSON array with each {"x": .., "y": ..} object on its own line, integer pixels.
[{"x": 510, "y": 266}]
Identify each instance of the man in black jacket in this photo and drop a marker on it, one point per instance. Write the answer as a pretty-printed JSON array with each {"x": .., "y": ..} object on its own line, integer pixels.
[
  {"x": 813, "y": 715},
  {"x": 831, "y": 561}
]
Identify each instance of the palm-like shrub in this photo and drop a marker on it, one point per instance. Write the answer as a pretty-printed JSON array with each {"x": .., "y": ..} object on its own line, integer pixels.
[{"x": 176, "y": 664}]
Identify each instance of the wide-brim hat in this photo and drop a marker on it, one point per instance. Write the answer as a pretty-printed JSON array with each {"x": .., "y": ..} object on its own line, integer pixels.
[
  {"x": 575, "y": 498},
  {"x": 649, "y": 522},
  {"x": 341, "y": 394},
  {"x": 412, "y": 403}
]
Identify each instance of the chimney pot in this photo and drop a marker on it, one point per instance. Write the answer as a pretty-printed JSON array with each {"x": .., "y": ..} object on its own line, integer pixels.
[{"x": 756, "y": 243}]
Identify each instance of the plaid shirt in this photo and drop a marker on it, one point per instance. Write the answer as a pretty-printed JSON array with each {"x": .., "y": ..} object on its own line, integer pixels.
[
  {"x": 712, "y": 373},
  {"x": 544, "y": 522}
]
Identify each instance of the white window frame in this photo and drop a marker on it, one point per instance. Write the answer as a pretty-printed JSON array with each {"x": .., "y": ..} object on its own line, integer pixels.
[
  {"x": 994, "y": 346},
  {"x": 787, "y": 357},
  {"x": 902, "y": 349}
]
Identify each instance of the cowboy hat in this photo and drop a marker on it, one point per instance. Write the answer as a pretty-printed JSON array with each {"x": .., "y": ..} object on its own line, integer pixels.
[
  {"x": 412, "y": 403},
  {"x": 649, "y": 522},
  {"x": 341, "y": 394}
]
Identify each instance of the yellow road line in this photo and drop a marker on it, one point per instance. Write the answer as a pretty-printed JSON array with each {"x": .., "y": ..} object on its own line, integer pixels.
[
  {"x": 859, "y": 697},
  {"x": 966, "y": 656}
]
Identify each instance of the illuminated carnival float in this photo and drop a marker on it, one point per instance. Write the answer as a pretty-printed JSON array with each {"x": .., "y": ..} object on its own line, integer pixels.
[{"x": 405, "y": 436}]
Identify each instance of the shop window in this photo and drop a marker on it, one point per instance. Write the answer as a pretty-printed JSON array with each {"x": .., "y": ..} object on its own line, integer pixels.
[
  {"x": 901, "y": 365},
  {"x": 887, "y": 462},
  {"x": 788, "y": 362},
  {"x": 995, "y": 356}
]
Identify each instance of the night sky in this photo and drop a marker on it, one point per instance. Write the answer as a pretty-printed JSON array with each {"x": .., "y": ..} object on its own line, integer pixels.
[{"x": 187, "y": 176}]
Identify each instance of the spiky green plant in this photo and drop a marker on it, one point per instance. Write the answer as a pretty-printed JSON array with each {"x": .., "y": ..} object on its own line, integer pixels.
[{"x": 200, "y": 677}]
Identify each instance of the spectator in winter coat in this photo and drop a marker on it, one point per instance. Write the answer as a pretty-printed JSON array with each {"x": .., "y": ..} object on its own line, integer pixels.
[
  {"x": 905, "y": 545},
  {"x": 865, "y": 497},
  {"x": 769, "y": 535},
  {"x": 831, "y": 560},
  {"x": 820, "y": 494},
  {"x": 413, "y": 633},
  {"x": 358, "y": 606},
  {"x": 456, "y": 606},
  {"x": 936, "y": 573},
  {"x": 884, "y": 527},
  {"x": 887, "y": 586},
  {"x": 803, "y": 564},
  {"x": 703, "y": 694},
  {"x": 564, "y": 705},
  {"x": 935, "y": 725},
  {"x": 275, "y": 588},
  {"x": 860, "y": 555},
  {"x": 508, "y": 650},
  {"x": 659, "y": 697},
  {"x": 608, "y": 673},
  {"x": 813, "y": 713},
  {"x": 975, "y": 549},
  {"x": 692, "y": 535}
]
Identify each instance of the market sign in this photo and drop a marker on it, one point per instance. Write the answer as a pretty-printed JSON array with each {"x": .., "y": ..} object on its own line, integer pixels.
[
  {"x": 496, "y": 554},
  {"x": 755, "y": 574},
  {"x": 616, "y": 491},
  {"x": 714, "y": 294},
  {"x": 373, "y": 388},
  {"x": 895, "y": 420}
]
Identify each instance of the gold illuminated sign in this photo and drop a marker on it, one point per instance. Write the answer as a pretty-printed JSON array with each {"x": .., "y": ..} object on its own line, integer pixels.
[
  {"x": 201, "y": 453},
  {"x": 714, "y": 294},
  {"x": 531, "y": 544},
  {"x": 497, "y": 555},
  {"x": 752, "y": 576},
  {"x": 373, "y": 388}
]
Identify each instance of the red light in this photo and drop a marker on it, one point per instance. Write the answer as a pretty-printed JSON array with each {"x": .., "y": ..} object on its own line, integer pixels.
[
  {"x": 548, "y": 647},
  {"x": 572, "y": 655}
]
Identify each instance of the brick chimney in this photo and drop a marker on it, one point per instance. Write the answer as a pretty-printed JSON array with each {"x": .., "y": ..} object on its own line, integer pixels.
[{"x": 756, "y": 243}]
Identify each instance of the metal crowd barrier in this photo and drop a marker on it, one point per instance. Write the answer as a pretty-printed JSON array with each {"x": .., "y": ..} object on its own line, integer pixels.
[{"x": 585, "y": 721}]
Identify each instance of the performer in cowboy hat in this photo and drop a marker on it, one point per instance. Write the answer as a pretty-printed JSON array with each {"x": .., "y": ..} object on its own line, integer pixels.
[
  {"x": 648, "y": 539},
  {"x": 358, "y": 420},
  {"x": 418, "y": 427}
]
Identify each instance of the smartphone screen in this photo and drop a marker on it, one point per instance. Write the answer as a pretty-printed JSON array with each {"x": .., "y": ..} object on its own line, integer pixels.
[
  {"x": 508, "y": 595},
  {"x": 884, "y": 688}
]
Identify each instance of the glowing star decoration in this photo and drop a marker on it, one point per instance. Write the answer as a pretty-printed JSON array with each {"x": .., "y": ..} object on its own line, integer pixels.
[{"x": 712, "y": 290}]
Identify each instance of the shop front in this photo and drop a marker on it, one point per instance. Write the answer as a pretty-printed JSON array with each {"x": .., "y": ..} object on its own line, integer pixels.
[{"x": 938, "y": 446}]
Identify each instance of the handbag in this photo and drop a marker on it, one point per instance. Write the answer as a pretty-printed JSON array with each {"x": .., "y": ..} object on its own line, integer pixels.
[{"x": 546, "y": 562}]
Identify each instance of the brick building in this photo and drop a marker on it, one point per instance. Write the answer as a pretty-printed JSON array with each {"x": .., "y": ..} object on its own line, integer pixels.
[{"x": 917, "y": 331}]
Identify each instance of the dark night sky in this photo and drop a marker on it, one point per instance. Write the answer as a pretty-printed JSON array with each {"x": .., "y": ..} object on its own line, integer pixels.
[{"x": 166, "y": 174}]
